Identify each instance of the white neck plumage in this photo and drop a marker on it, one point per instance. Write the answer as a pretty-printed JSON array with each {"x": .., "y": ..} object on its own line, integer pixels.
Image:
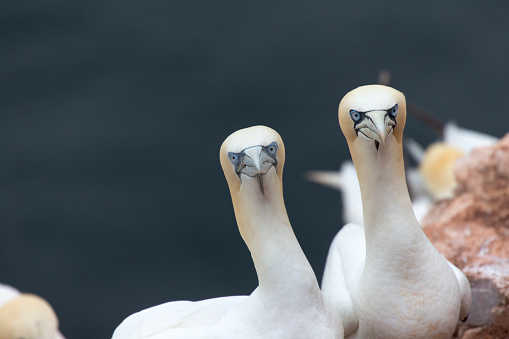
[
  {"x": 281, "y": 266},
  {"x": 389, "y": 219}
]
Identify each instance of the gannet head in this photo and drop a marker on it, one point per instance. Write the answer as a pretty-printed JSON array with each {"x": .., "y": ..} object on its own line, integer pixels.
[
  {"x": 372, "y": 113},
  {"x": 30, "y": 317},
  {"x": 251, "y": 154}
]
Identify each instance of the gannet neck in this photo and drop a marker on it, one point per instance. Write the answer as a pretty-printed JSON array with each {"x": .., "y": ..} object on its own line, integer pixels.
[
  {"x": 264, "y": 225},
  {"x": 387, "y": 208},
  {"x": 257, "y": 194},
  {"x": 372, "y": 119}
]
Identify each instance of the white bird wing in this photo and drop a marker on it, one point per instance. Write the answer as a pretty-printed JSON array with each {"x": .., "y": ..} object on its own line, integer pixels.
[
  {"x": 7, "y": 293},
  {"x": 176, "y": 314},
  {"x": 330, "y": 179},
  {"x": 465, "y": 292},
  {"x": 345, "y": 181},
  {"x": 466, "y": 140},
  {"x": 343, "y": 269}
]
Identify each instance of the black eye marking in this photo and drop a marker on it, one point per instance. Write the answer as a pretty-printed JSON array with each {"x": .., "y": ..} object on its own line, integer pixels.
[
  {"x": 271, "y": 151},
  {"x": 358, "y": 117},
  {"x": 393, "y": 112},
  {"x": 239, "y": 159}
]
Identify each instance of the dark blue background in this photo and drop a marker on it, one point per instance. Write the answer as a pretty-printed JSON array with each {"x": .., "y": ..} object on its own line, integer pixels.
[{"x": 112, "y": 198}]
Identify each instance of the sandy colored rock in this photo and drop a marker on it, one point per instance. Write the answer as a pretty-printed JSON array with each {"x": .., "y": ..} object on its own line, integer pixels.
[{"x": 472, "y": 231}]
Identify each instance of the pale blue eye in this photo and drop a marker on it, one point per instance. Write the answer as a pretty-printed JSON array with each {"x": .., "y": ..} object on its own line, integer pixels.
[
  {"x": 234, "y": 158},
  {"x": 272, "y": 148},
  {"x": 356, "y": 116},
  {"x": 394, "y": 111}
]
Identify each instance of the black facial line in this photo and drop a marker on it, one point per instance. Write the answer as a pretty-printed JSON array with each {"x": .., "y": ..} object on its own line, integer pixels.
[
  {"x": 390, "y": 116},
  {"x": 273, "y": 156},
  {"x": 377, "y": 144},
  {"x": 253, "y": 176},
  {"x": 241, "y": 162},
  {"x": 371, "y": 110},
  {"x": 355, "y": 123},
  {"x": 260, "y": 182},
  {"x": 363, "y": 116},
  {"x": 357, "y": 131}
]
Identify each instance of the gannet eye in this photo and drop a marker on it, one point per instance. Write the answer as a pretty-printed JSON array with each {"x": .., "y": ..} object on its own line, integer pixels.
[
  {"x": 394, "y": 111},
  {"x": 356, "y": 116},
  {"x": 272, "y": 148},
  {"x": 234, "y": 158}
]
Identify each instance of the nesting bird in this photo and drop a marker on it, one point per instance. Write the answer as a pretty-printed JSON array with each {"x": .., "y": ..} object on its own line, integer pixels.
[
  {"x": 386, "y": 278},
  {"x": 26, "y": 316},
  {"x": 288, "y": 302}
]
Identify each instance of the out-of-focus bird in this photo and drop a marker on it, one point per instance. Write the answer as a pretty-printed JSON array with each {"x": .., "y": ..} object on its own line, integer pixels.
[
  {"x": 436, "y": 162},
  {"x": 26, "y": 316},
  {"x": 386, "y": 278},
  {"x": 437, "y": 170},
  {"x": 288, "y": 302}
]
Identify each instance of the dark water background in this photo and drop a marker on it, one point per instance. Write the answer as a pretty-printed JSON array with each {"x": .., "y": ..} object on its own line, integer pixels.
[{"x": 112, "y": 198}]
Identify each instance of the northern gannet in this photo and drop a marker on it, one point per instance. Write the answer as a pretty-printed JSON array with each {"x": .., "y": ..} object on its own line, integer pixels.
[
  {"x": 431, "y": 181},
  {"x": 26, "y": 316},
  {"x": 288, "y": 302},
  {"x": 386, "y": 278}
]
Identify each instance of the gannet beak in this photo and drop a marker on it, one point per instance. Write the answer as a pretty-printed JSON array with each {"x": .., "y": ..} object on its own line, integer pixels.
[
  {"x": 252, "y": 159},
  {"x": 377, "y": 127},
  {"x": 256, "y": 160}
]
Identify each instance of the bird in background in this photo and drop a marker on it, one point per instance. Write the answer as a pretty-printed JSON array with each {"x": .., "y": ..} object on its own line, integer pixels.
[
  {"x": 26, "y": 316},
  {"x": 288, "y": 302},
  {"x": 386, "y": 278},
  {"x": 436, "y": 162}
]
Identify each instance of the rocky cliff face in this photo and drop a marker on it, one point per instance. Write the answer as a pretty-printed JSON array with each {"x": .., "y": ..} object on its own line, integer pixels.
[{"x": 472, "y": 231}]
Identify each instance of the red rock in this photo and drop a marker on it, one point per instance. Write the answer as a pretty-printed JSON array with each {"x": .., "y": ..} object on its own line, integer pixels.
[{"x": 472, "y": 231}]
